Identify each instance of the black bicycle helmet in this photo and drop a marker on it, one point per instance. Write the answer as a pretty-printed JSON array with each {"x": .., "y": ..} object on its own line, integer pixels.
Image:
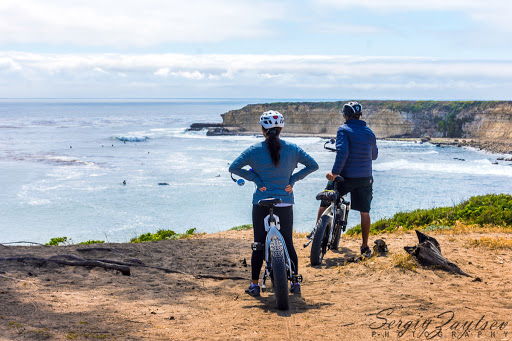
[{"x": 352, "y": 109}]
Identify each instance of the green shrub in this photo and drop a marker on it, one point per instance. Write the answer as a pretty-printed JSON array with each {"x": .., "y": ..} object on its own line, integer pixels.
[
  {"x": 58, "y": 240},
  {"x": 242, "y": 227},
  {"x": 92, "y": 242},
  {"x": 494, "y": 209},
  {"x": 163, "y": 235}
]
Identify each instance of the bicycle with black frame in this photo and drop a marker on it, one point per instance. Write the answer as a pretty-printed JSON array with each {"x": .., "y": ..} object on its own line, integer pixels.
[{"x": 333, "y": 221}]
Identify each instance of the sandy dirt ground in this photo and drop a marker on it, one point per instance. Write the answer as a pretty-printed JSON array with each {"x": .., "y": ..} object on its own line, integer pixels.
[{"x": 369, "y": 300}]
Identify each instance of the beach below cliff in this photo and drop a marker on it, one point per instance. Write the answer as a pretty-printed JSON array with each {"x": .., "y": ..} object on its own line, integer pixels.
[{"x": 202, "y": 296}]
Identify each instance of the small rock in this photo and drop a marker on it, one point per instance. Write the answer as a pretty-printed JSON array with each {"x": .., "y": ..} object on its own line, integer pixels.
[
  {"x": 171, "y": 318},
  {"x": 477, "y": 279}
]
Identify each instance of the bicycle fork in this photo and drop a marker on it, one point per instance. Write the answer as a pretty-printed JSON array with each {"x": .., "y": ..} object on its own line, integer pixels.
[{"x": 275, "y": 242}]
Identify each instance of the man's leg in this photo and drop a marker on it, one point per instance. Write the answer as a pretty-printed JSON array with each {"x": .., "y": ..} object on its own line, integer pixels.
[{"x": 365, "y": 227}]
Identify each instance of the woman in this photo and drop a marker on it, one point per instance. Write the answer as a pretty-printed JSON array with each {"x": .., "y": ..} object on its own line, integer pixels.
[{"x": 273, "y": 162}]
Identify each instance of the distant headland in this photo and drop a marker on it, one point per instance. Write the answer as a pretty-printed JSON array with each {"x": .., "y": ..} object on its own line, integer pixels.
[{"x": 482, "y": 124}]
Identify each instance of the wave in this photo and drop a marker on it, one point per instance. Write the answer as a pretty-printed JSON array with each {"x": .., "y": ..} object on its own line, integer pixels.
[
  {"x": 131, "y": 138},
  {"x": 476, "y": 167}
]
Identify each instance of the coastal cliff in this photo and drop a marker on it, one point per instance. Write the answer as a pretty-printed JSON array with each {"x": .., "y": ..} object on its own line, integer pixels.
[{"x": 484, "y": 122}]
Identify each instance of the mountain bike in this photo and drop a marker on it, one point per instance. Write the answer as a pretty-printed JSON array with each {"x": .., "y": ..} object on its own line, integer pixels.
[
  {"x": 278, "y": 265},
  {"x": 327, "y": 232}
]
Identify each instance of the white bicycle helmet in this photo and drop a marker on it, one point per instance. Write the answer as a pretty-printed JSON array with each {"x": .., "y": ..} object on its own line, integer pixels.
[
  {"x": 352, "y": 109},
  {"x": 272, "y": 119}
]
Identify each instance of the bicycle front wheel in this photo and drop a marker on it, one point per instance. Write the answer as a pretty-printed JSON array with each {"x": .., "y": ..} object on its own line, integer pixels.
[
  {"x": 320, "y": 240},
  {"x": 280, "y": 278},
  {"x": 336, "y": 235}
]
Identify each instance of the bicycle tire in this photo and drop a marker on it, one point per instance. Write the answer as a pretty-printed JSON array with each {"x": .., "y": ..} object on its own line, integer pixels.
[
  {"x": 320, "y": 240},
  {"x": 280, "y": 278},
  {"x": 336, "y": 237}
]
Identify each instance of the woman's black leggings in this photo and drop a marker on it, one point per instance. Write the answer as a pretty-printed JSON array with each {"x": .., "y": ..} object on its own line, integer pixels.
[{"x": 286, "y": 221}]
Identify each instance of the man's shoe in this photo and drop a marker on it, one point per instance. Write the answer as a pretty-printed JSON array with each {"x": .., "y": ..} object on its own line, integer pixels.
[
  {"x": 295, "y": 288},
  {"x": 253, "y": 290},
  {"x": 366, "y": 252}
]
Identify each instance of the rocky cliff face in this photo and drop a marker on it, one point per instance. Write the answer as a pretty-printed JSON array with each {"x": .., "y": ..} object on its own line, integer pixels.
[{"x": 476, "y": 119}]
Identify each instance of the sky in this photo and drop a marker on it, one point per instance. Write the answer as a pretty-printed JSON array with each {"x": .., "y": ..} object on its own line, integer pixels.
[{"x": 297, "y": 49}]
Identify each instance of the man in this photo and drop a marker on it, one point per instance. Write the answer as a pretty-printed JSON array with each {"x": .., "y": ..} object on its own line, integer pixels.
[{"x": 356, "y": 148}]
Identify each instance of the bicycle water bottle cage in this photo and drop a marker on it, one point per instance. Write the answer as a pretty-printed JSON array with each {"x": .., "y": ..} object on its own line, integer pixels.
[
  {"x": 327, "y": 195},
  {"x": 269, "y": 202},
  {"x": 257, "y": 246}
]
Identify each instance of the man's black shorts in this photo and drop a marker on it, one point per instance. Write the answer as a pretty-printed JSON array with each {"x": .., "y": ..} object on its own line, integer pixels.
[{"x": 360, "y": 189}]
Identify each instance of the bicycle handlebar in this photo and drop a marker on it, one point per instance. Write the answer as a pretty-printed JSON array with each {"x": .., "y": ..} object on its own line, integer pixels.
[
  {"x": 331, "y": 141},
  {"x": 239, "y": 182}
]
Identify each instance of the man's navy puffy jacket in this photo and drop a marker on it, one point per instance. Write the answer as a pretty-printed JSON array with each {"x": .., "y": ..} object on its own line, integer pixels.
[{"x": 356, "y": 147}]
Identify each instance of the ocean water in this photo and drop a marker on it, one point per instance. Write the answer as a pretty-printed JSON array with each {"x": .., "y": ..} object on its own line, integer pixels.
[{"x": 63, "y": 163}]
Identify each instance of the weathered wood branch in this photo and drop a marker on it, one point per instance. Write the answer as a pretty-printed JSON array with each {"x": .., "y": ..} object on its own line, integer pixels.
[
  {"x": 422, "y": 237},
  {"x": 428, "y": 253},
  {"x": 125, "y": 270},
  {"x": 22, "y": 242},
  {"x": 122, "y": 266},
  {"x": 89, "y": 249}
]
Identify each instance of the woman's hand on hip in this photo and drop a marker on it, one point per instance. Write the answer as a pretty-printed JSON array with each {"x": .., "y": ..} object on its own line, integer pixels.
[{"x": 289, "y": 188}]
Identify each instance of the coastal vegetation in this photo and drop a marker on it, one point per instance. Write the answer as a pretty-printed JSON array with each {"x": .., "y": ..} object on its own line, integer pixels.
[
  {"x": 163, "y": 235},
  {"x": 241, "y": 227},
  {"x": 490, "y": 209},
  {"x": 145, "y": 237}
]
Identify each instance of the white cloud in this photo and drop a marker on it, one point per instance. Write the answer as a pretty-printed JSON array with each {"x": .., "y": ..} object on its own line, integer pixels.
[
  {"x": 254, "y": 74},
  {"x": 123, "y": 23}
]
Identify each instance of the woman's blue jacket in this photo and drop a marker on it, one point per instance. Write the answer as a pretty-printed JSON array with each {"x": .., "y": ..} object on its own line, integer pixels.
[{"x": 265, "y": 174}]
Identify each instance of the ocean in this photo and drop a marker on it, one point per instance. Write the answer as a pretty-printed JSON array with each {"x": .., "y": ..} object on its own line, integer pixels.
[{"x": 63, "y": 164}]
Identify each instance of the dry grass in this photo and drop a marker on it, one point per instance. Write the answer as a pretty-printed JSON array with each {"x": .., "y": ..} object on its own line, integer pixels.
[
  {"x": 403, "y": 260},
  {"x": 461, "y": 228},
  {"x": 300, "y": 234},
  {"x": 493, "y": 243}
]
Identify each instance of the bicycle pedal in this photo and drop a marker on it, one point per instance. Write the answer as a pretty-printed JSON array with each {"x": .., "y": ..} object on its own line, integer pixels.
[
  {"x": 296, "y": 278},
  {"x": 256, "y": 246}
]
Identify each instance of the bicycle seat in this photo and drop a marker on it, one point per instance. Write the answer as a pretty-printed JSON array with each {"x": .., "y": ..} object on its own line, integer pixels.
[
  {"x": 269, "y": 202},
  {"x": 327, "y": 195}
]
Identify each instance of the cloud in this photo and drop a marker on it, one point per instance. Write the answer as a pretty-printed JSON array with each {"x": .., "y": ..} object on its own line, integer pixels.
[
  {"x": 122, "y": 23},
  {"x": 254, "y": 74}
]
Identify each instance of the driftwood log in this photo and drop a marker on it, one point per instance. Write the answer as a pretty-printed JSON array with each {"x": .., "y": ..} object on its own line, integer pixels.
[
  {"x": 428, "y": 253},
  {"x": 71, "y": 261},
  {"x": 121, "y": 266}
]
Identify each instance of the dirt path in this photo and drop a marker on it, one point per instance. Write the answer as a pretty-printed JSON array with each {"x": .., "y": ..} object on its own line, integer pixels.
[{"x": 354, "y": 301}]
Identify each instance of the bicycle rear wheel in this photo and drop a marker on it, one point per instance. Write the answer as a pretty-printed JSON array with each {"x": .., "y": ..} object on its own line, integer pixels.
[
  {"x": 280, "y": 278},
  {"x": 320, "y": 240}
]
